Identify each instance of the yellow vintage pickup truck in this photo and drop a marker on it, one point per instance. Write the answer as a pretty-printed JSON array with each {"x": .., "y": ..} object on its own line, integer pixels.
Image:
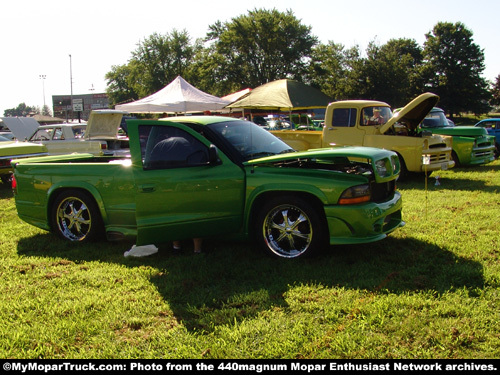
[{"x": 372, "y": 124}]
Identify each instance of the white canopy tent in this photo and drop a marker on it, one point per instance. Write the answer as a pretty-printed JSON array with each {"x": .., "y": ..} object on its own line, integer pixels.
[{"x": 177, "y": 97}]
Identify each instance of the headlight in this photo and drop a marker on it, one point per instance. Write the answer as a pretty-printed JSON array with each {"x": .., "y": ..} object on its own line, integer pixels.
[
  {"x": 381, "y": 166},
  {"x": 355, "y": 194}
]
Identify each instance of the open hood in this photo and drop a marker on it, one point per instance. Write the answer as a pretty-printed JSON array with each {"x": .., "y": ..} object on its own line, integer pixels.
[
  {"x": 22, "y": 127},
  {"x": 414, "y": 112},
  {"x": 385, "y": 162},
  {"x": 336, "y": 152},
  {"x": 104, "y": 124}
]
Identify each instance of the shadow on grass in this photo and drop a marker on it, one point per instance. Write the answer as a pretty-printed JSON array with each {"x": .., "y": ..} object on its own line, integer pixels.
[
  {"x": 233, "y": 281},
  {"x": 417, "y": 181}
]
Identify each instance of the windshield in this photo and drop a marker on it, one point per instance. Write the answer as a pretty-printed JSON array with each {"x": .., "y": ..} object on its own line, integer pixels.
[
  {"x": 250, "y": 140},
  {"x": 436, "y": 119}
]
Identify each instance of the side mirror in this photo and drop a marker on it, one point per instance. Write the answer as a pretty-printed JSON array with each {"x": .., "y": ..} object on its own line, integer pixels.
[{"x": 213, "y": 155}]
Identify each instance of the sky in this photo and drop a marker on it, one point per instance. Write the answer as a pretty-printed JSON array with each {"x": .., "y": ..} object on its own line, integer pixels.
[{"x": 73, "y": 44}]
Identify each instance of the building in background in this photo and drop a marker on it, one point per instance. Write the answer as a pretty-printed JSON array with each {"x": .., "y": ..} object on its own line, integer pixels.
[{"x": 82, "y": 105}]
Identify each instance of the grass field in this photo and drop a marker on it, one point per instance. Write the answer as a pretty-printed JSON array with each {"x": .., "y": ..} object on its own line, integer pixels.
[{"x": 430, "y": 290}]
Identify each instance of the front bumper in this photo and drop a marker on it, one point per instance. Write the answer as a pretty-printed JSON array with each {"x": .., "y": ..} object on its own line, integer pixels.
[{"x": 364, "y": 223}]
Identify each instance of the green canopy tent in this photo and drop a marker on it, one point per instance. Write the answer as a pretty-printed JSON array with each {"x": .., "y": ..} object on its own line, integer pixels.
[{"x": 284, "y": 95}]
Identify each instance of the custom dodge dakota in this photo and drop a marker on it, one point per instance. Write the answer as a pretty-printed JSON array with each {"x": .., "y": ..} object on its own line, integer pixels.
[
  {"x": 204, "y": 176},
  {"x": 371, "y": 123}
]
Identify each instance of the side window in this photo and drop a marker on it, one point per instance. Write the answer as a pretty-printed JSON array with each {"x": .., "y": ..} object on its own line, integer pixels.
[
  {"x": 344, "y": 117},
  {"x": 375, "y": 115},
  {"x": 58, "y": 134},
  {"x": 42, "y": 135},
  {"x": 78, "y": 131},
  {"x": 168, "y": 147}
]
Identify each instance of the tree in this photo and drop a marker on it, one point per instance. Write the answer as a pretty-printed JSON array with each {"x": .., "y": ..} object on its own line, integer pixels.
[
  {"x": 453, "y": 65},
  {"x": 46, "y": 110},
  {"x": 161, "y": 58},
  {"x": 495, "y": 92},
  {"x": 393, "y": 71},
  {"x": 257, "y": 48},
  {"x": 331, "y": 69},
  {"x": 389, "y": 72},
  {"x": 120, "y": 84},
  {"x": 22, "y": 110},
  {"x": 157, "y": 61}
]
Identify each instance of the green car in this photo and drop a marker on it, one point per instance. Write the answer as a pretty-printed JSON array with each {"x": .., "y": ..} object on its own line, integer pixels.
[
  {"x": 208, "y": 176},
  {"x": 471, "y": 145}
]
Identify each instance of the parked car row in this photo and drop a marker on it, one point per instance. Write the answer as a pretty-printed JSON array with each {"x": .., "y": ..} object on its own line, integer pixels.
[
  {"x": 204, "y": 176},
  {"x": 99, "y": 136},
  {"x": 11, "y": 149},
  {"x": 208, "y": 176}
]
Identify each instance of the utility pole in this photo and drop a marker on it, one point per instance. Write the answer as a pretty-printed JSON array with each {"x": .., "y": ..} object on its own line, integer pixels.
[
  {"x": 42, "y": 77},
  {"x": 71, "y": 84}
]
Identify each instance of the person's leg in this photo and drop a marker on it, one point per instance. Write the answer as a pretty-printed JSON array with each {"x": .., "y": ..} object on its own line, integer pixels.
[{"x": 197, "y": 244}]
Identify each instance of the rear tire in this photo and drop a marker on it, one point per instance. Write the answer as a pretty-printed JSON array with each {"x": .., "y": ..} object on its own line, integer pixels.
[
  {"x": 291, "y": 227},
  {"x": 7, "y": 179},
  {"x": 76, "y": 217}
]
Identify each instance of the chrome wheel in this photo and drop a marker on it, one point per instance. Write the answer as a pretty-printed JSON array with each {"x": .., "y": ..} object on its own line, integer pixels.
[
  {"x": 287, "y": 231},
  {"x": 75, "y": 216},
  {"x": 291, "y": 226},
  {"x": 73, "y": 219}
]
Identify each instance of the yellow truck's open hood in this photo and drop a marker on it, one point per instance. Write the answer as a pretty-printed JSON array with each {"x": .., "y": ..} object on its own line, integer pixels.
[{"x": 414, "y": 112}]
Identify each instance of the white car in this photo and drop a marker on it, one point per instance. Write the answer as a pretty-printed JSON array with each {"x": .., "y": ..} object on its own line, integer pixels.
[{"x": 99, "y": 136}]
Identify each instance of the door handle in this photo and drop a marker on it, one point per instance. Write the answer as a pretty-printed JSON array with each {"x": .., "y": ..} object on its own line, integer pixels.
[{"x": 147, "y": 188}]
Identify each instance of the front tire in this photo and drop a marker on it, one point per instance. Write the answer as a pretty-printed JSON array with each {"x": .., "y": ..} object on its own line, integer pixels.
[
  {"x": 454, "y": 157},
  {"x": 291, "y": 227},
  {"x": 76, "y": 217},
  {"x": 403, "y": 173}
]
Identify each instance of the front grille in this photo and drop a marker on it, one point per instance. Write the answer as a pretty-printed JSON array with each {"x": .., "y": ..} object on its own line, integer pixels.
[
  {"x": 485, "y": 144},
  {"x": 483, "y": 154},
  {"x": 438, "y": 158},
  {"x": 438, "y": 145},
  {"x": 382, "y": 191}
]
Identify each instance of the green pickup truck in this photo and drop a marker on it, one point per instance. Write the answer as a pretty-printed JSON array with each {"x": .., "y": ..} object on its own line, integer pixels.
[
  {"x": 206, "y": 176},
  {"x": 471, "y": 145}
]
